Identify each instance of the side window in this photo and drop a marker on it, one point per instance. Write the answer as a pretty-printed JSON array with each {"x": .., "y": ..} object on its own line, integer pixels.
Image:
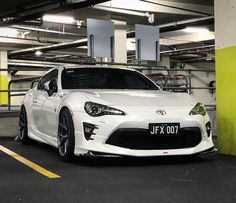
[
  {"x": 136, "y": 82},
  {"x": 52, "y": 75},
  {"x": 40, "y": 84}
]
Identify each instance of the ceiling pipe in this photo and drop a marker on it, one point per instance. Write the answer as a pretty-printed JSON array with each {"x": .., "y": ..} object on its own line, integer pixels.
[
  {"x": 83, "y": 42},
  {"x": 179, "y": 25},
  {"x": 64, "y": 45},
  {"x": 38, "y": 22},
  {"x": 188, "y": 49},
  {"x": 26, "y": 63},
  {"x": 46, "y": 30},
  {"x": 185, "y": 23},
  {"x": 210, "y": 47},
  {"x": 205, "y": 59}
]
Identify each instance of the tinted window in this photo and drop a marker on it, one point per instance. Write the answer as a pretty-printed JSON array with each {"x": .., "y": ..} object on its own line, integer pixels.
[
  {"x": 48, "y": 77},
  {"x": 104, "y": 78}
]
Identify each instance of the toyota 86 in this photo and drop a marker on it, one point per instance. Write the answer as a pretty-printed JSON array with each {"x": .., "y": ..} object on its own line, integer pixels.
[{"x": 112, "y": 111}]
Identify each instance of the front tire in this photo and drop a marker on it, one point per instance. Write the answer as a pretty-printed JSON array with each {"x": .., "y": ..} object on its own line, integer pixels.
[
  {"x": 23, "y": 127},
  {"x": 66, "y": 137}
]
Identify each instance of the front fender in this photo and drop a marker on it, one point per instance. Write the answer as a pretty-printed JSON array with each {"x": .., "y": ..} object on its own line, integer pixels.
[{"x": 74, "y": 102}]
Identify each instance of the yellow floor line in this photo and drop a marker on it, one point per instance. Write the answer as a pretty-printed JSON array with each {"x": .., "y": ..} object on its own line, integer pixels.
[{"x": 28, "y": 163}]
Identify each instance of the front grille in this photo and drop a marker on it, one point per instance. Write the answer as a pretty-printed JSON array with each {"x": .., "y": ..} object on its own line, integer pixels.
[{"x": 140, "y": 139}]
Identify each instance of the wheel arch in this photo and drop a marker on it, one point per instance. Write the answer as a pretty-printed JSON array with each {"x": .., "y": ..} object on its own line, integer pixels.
[
  {"x": 63, "y": 107},
  {"x": 26, "y": 110}
]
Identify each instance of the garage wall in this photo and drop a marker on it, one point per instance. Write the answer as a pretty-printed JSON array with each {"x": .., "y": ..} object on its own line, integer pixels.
[
  {"x": 202, "y": 79},
  {"x": 23, "y": 85}
]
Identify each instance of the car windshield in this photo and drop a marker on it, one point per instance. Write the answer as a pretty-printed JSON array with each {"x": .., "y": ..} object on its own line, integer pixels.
[{"x": 105, "y": 78}]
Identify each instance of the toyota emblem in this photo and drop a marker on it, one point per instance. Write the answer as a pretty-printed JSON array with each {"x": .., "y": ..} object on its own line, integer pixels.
[{"x": 161, "y": 112}]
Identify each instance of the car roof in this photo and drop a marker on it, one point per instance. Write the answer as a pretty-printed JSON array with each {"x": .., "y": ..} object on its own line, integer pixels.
[{"x": 93, "y": 66}]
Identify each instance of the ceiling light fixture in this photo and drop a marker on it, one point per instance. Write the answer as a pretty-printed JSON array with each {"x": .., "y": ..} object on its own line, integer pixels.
[
  {"x": 8, "y": 32},
  {"x": 58, "y": 19},
  {"x": 119, "y": 10},
  {"x": 38, "y": 53},
  {"x": 196, "y": 30}
]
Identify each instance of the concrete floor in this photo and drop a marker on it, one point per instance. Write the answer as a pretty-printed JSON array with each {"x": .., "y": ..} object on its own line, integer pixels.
[{"x": 210, "y": 178}]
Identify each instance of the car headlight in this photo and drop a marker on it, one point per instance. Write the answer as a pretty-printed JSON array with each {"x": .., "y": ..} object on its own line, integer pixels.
[
  {"x": 198, "y": 109},
  {"x": 94, "y": 109}
]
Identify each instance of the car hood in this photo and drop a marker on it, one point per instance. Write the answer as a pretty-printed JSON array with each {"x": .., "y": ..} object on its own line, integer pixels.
[{"x": 138, "y": 98}]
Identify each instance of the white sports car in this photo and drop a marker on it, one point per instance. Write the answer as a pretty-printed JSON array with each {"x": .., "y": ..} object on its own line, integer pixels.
[{"x": 112, "y": 111}]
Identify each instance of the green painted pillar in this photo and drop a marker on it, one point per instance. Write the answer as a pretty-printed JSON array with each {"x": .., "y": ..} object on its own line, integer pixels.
[
  {"x": 3, "y": 78},
  {"x": 225, "y": 31}
]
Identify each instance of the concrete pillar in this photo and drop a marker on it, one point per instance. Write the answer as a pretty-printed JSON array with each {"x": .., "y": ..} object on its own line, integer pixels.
[
  {"x": 120, "y": 42},
  {"x": 225, "y": 20},
  {"x": 3, "y": 78},
  {"x": 165, "y": 61}
]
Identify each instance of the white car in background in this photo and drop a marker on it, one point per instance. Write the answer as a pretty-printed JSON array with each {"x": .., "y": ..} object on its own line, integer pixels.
[{"x": 112, "y": 111}]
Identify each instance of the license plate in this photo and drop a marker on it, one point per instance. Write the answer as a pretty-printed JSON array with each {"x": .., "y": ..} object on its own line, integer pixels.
[{"x": 162, "y": 129}]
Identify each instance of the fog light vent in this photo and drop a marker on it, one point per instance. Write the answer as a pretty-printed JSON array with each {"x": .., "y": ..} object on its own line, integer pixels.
[
  {"x": 208, "y": 128},
  {"x": 88, "y": 130}
]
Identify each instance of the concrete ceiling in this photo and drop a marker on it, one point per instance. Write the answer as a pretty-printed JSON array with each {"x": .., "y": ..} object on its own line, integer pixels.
[
  {"x": 165, "y": 11},
  {"x": 200, "y": 2},
  {"x": 9, "y": 4}
]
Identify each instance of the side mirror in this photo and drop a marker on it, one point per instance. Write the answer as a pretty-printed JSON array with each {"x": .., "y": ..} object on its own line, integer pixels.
[{"x": 50, "y": 87}]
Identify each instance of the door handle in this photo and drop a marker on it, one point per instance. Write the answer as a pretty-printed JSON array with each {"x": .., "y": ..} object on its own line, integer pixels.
[{"x": 35, "y": 101}]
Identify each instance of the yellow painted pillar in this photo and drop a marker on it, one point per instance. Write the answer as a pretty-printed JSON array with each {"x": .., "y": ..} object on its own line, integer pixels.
[
  {"x": 225, "y": 31},
  {"x": 3, "y": 78}
]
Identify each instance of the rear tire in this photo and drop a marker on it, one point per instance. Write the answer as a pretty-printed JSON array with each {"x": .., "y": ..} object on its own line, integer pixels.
[
  {"x": 66, "y": 137},
  {"x": 23, "y": 127}
]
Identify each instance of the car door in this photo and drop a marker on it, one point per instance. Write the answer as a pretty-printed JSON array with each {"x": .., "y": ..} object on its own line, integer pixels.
[
  {"x": 38, "y": 99},
  {"x": 49, "y": 108},
  {"x": 44, "y": 119}
]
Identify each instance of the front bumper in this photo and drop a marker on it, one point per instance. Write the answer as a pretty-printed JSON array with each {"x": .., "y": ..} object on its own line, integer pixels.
[
  {"x": 102, "y": 154},
  {"x": 106, "y": 125}
]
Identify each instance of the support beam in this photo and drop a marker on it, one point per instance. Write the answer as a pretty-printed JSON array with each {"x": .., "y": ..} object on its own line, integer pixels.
[
  {"x": 193, "y": 7},
  {"x": 149, "y": 6}
]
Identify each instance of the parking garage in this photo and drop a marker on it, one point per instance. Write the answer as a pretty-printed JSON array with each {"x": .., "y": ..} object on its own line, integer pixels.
[{"x": 117, "y": 101}]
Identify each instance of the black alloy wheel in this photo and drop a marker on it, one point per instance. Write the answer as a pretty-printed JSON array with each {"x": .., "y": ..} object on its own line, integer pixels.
[
  {"x": 23, "y": 126},
  {"x": 66, "y": 138}
]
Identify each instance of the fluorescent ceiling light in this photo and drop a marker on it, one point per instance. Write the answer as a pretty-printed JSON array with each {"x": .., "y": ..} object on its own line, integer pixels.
[
  {"x": 8, "y": 32},
  {"x": 196, "y": 30},
  {"x": 118, "y": 10},
  {"x": 38, "y": 53},
  {"x": 58, "y": 19}
]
